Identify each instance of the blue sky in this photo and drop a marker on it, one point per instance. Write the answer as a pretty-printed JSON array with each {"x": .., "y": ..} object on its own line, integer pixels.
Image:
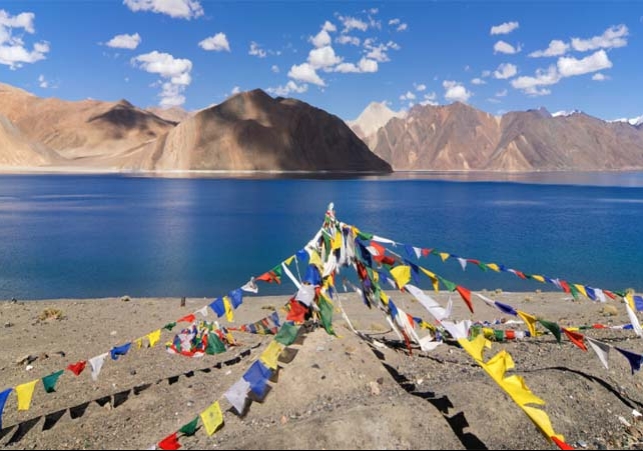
[{"x": 496, "y": 56}]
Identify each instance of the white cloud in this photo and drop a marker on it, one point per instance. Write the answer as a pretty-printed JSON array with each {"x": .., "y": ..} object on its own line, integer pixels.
[
  {"x": 613, "y": 37},
  {"x": 402, "y": 27},
  {"x": 275, "y": 68},
  {"x": 556, "y": 48},
  {"x": 352, "y": 23},
  {"x": 218, "y": 43},
  {"x": 419, "y": 87},
  {"x": 367, "y": 65},
  {"x": 347, "y": 68},
  {"x": 291, "y": 86},
  {"x": 393, "y": 45},
  {"x": 504, "y": 47},
  {"x": 394, "y": 22},
  {"x": 569, "y": 66},
  {"x": 478, "y": 81},
  {"x": 42, "y": 82},
  {"x": 529, "y": 85},
  {"x": 502, "y": 93},
  {"x": 346, "y": 39},
  {"x": 305, "y": 72},
  {"x": 407, "y": 96},
  {"x": 455, "y": 92},
  {"x": 321, "y": 39},
  {"x": 125, "y": 41},
  {"x": 174, "y": 71},
  {"x": 323, "y": 57},
  {"x": 235, "y": 90},
  {"x": 600, "y": 77},
  {"x": 183, "y": 9},
  {"x": 504, "y": 28},
  {"x": 505, "y": 70},
  {"x": 378, "y": 53},
  {"x": 13, "y": 52},
  {"x": 486, "y": 73},
  {"x": 430, "y": 99},
  {"x": 256, "y": 50}
]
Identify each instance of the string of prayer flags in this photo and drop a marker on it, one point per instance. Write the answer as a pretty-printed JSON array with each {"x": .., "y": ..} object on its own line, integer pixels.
[
  {"x": 212, "y": 418},
  {"x": 77, "y": 367},
  {"x": 274, "y": 275},
  {"x": 3, "y": 399},
  {"x": 118, "y": 351},
  {"x": 24, "y": 393},
  {"x": 49, "y": 382},
  {"x": 171, "y": 442}
]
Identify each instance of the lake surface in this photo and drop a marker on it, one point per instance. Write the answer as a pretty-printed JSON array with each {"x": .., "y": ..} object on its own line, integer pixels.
[{"x": 86, "y": 236}]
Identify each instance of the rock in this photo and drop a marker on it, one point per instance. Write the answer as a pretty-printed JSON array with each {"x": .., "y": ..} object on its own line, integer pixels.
[
  {"x": 29, "y": 367},
  {"x": 132, "y": 372},
  {"x": 125, "y": 298},
  {"x": 609, "y": 310},
  {"x": 8, "y": 324},
  {"x": 26, "y": 359},
  {"x": 375, "y": 388}
]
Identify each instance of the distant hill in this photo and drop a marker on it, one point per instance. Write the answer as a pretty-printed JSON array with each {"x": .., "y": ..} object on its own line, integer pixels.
[
  {"x": 253, "y": 131},
  {"x": 460, "y": 137},
  {"x": 173, "y": 114},
  {"x": 17, "y": 151},
  {"x": 374, "y": 116},
  {"x": 88, "y": 128}
]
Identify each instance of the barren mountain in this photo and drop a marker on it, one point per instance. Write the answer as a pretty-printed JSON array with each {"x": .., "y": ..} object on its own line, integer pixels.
[
  {"x": 87, "y": 128},
  {"x": 253, "y": 131},
  {"x": 374, "y": 116},
  {"x": 459, "y": 137},
  {"x": 174, "y": 114},
  {"x": 17, "y": 151}
]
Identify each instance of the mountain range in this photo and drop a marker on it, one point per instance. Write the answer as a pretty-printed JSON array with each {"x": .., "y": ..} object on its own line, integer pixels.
[{"x": 252, "y": 131}]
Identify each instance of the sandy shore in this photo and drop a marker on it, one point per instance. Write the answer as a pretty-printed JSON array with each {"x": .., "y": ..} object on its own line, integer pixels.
[{"x": 336, "y": 393}]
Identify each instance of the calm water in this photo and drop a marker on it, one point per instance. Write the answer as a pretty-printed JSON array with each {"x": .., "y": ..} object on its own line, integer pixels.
[{"x": 96, "y": 236}]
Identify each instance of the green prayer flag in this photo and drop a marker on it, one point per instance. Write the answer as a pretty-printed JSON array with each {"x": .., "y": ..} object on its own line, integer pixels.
[
  {"x": 287, "y": 334},
  {"x": 448, "y": 284},
  {"x": 326, "y": 311},
  {"x": 215, "y": 345},
  {"x": 499, "y": 335},
  {"x": 574, "y": 291},
  {"x": 169, "y": 326},
  {"x": 482, "y": 266},
  {"x": 190, "y": 428},
  {"x": 552, "y": 327},
  {"x": 50, "y": 381}
]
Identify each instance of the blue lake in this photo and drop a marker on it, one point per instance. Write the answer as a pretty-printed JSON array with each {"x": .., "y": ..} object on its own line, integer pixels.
[{"x": 96, "y": 236}]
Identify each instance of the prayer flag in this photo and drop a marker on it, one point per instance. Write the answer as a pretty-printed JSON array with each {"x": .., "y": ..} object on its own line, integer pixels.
[
  {"x": 25, "y": 392},
  {"x": 212, "y": 418}
]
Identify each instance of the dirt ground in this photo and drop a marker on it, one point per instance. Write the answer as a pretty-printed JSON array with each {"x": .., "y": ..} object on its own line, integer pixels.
[{"x": 337, "y": 392}]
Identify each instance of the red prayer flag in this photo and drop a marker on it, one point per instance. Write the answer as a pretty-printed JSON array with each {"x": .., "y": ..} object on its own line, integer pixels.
[
  {"x": 520, "y": 274},
  {"x": 466, "y": 295},
  {"x": 510, "y": 334},
  {"x": 565, "y": 286},
  {"x": 269, "y": 277},
  {"x": 77, "y": 367},
  {"x": 610, "y": 294},
  {"x": 560, "y": 443},
  {"x": 576, "y": 338},
  {"x": 170, "y": 442},
  {"x": 187, "y": 319},
  {"x": 297, "y": 312},
  {"x": 426, "y": 252}
]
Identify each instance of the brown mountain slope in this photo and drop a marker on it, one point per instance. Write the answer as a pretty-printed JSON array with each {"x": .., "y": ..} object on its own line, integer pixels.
[
  {"x": 173, "y": 114},
  {"x": 253, "y": 131},
  {"x": 459, "y": 137},
  {"x": 441, "y": 138},
  {"x": 86, "y": 128},
  {"x": 17, "y": 151}
]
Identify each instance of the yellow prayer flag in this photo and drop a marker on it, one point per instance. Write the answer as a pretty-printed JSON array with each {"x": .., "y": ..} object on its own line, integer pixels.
[
  {"x": 271, "y": 354},
  {"x": 25, "y": 392},
  {"x": 434, "y": 279},
  {"x": 538, "y": 278},
  {"x": 541, "y": 420},
  {"x": 444, "y": 256},
  {"x": 139, "y": 343},
  {"x": 493, "y": 266},
  {"x": 475, "y": 347},
  {"x": 212, "y": 418},
  {"x": 402, "y": 275},
  {"x": 581, "y": 288},
  {"x": 315, "y": 259},
  {"x": 498, "y": 365},
  {"x": 488, "y": 332},
  {"x": 530, "y": 320},
  {"x": 289, "y": 260},
  {"x": 154, "y": 337},
  {"x": 337, "y": 241},
  {"x": 229, "y": 312},
  {"x": 630, "y": 299},
  {"x": 519, "y": 392},
  {"x": 384, "y": 298}
]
